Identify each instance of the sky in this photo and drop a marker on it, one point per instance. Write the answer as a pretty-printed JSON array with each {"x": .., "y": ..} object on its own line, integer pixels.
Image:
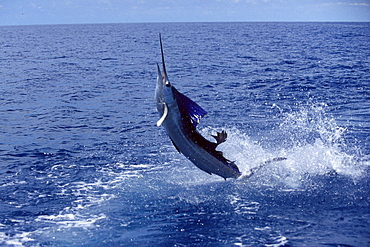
[{"x": 33, "y": 12}]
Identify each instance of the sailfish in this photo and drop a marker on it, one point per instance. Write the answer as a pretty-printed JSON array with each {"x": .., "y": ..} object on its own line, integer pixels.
[{"x": 179, "y": 115}]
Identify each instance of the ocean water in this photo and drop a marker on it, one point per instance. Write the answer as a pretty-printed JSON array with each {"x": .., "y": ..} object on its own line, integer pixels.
[{"x": 82, "y": 162}]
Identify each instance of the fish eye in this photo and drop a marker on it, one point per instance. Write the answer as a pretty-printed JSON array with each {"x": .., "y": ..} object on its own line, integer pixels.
[{"x": 168, "y": 84}]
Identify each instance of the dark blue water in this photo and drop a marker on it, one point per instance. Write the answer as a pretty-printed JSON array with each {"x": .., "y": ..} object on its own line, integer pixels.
[{"x": 82, "y": 162}]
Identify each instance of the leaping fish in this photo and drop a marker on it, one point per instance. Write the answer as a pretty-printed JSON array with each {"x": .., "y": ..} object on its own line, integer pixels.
[{"x": 180, "y": 116}]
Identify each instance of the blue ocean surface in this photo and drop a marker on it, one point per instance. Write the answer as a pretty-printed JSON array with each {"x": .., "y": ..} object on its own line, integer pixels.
[{"x": 82, "y": 162}]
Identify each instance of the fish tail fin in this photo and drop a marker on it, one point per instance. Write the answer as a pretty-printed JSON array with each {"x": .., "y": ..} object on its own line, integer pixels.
[
  {"x": 274, "y": 160},
  {"x": 267, "y": 162}
]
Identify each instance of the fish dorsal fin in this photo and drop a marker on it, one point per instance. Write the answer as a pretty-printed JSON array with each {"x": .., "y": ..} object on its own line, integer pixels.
[{"x": 189, "y": 107}]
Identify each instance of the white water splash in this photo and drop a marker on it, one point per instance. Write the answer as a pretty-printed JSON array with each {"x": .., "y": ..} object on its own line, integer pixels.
[{"x": 310, "y": 139}]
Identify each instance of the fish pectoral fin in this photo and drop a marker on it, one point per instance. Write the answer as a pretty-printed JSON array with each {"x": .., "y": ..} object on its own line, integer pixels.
[
  {"x": 220, "y": 137},
  {"x": 165, "y": 112}
]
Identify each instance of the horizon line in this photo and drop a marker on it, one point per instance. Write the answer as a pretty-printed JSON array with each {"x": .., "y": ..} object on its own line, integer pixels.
[{"x": 178, "y": 22}]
